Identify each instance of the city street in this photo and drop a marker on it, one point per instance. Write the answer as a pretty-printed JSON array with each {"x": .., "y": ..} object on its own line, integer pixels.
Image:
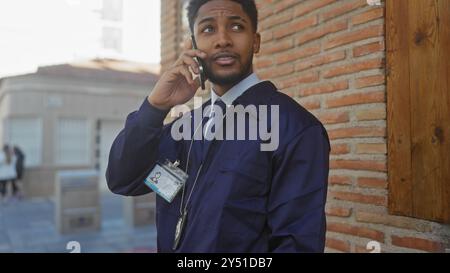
[{"x": 28, "y": 226}]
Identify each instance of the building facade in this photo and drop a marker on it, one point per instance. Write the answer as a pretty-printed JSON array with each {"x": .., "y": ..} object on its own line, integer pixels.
[
  {"x": 65, "y": 117},
  {"x": 348, "y": 63}
]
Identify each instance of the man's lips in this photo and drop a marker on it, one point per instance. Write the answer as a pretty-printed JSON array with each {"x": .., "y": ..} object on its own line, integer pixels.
[{"x": 225, "y": 59}]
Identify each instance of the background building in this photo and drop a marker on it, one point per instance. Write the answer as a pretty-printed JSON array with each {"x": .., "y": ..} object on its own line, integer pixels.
[
  {"x": 65, "y": 112},
  {"x": 377, "y": 77},
  {"x": 66, "y": 116}
]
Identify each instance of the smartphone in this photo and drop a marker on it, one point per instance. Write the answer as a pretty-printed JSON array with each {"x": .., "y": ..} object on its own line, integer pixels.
[{"x": 200, "y": 63}]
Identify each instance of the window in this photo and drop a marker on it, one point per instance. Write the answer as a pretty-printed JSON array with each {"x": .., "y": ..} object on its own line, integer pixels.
[
  {"x": 72, "y": 142},
  {"x": 112, "y": 38},
  {"x": 26, "y": 133},
  {"x": 112, "y": 10},
  {"x": 418, "y": 50}
]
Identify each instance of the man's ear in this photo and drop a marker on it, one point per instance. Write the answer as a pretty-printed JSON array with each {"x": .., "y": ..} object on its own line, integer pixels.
[{"x": 256, "y": 43}]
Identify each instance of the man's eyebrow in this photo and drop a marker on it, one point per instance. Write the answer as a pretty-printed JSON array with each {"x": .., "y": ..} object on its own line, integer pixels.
[
  {"x": 236, "y": 17},
  {"x": 233, "y": 17},
  {"x": 206, "y": 19}
]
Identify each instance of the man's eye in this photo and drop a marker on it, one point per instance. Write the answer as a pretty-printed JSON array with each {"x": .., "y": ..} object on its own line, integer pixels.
[
  {"x": 237, "y": 27},
  {"x": 208, "y": 29}
]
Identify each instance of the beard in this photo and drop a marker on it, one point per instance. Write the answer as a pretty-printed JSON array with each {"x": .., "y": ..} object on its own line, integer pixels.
[{"x": 231, "y": 79}]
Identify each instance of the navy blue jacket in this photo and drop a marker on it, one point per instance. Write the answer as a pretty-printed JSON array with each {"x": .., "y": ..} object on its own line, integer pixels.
[{"x": 245, "y": 199}]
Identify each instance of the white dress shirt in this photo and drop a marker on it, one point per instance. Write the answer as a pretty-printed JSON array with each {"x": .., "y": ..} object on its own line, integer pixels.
[{"x": 229, "y": 96}]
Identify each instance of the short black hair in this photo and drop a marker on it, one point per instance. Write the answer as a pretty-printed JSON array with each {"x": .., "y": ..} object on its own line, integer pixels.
[{"x": 248, "y": 6}]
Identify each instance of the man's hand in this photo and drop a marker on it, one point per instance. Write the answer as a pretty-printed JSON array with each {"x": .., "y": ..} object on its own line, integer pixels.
[{"x": 177, "y": 86}]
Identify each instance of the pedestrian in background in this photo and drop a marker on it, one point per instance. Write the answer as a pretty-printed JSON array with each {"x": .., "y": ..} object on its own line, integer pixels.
[
  {"x": 7, "y": 170},
  {"x": 20, "y": 164}
]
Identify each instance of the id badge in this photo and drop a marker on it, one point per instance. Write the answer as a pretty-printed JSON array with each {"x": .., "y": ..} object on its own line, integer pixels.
[{"x": 166, "y": 180}]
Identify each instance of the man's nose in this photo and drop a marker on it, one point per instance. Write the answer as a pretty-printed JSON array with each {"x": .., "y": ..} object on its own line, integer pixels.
[{"x": 223, "y": 39}]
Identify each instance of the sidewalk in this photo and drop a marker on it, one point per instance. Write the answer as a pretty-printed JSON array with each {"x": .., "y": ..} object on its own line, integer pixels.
[{"x": 28, "y": 226}]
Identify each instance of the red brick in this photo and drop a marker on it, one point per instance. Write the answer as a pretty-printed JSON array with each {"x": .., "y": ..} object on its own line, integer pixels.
[
  {"x": 283, "y": 70},
  {"x": 297, "y": 53},
  {"x": 368, "y": 16},
  {"x": 324, "y": 88},
  {"x": 310, "y": 104},
  {"x": 368, "y": 49},
  {"x": 358, "y": 98},
  {"x": 337, "y": 244},
  {"x": 320, "y": 60},
  {"x": 266, "y": 36},
  {"x": 359, "y": 198},
  {"x": 418, "y": 243},
  {"x": 354, "y": 36},
  {"x": 370, "y": 81},
  {"x": 367, "y": 165},
  {"x": 357, "y": 132},
  {"x": 277, "y": 46},
  {"x": 284, "y": 4},
  {"x": 293, "y": 27},
  {"x": 265, "y": 12},
  {"x": 277, "y": 71},
  {"x": 263, "y": 63},
  {"x": 356, "y": 231},
  {"x": 309, "y": 6},
  {"x": 371, "y": 114},
  {"x": 393, "y": 221},
  {"x": 354, "y": 67},
  {"x": 339, "y": 180},
  {"x": 343, "y": 8},
  {"x": 296, "y": 80},
  {"x": 266, "y": 73},
  {"x": 369, "y": 182},
  {"x": 371, "y": 148},
  {"x": 333, "y": 118},
  {"x": 339, "y": 211},
  {"x": 321, "y": 31},
  {"x": 339, "y": 149},
  {"x": 275, "y": 20}
]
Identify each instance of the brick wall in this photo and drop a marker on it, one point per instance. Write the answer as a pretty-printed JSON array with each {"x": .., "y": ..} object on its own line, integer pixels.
[
  {"x": 169, "y": 33},
  {"x": 330, "y": 55}
]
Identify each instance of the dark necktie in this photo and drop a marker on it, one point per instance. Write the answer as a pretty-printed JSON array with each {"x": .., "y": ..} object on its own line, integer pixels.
[{"x": 212, "y": 124}]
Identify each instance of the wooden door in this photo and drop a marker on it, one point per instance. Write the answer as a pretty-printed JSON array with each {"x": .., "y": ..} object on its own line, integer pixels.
[{"x": 418, "y": 67}]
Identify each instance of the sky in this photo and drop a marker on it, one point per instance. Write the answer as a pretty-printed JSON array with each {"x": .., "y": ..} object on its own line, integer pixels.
[{"x": 45, "y": 32}]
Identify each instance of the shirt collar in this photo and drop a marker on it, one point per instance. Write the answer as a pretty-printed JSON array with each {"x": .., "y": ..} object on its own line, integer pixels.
[{"x": 236, "y": 91}]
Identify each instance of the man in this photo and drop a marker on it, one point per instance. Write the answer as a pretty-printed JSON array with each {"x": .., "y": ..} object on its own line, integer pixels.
[
  {"x": 20, "y": 163},
  {"x": 237, "y": 197}
]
